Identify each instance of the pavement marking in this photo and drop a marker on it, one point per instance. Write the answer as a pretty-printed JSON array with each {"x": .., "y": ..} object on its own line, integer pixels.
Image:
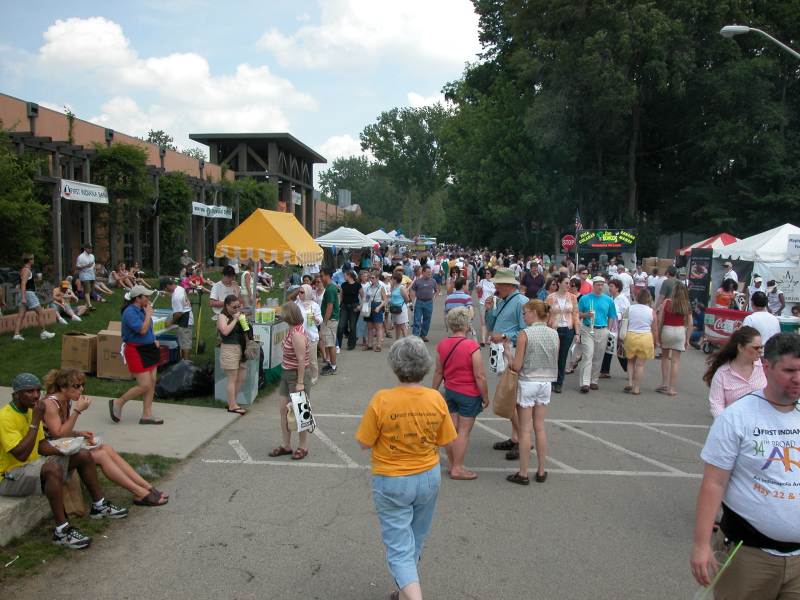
[
  {"x": 672, "y": 435},
  {"x": 349, "y": 462},
  {"x": 275, "y": 463},
  {"x": 622, "y": 449},
  {"x": 566, "y": 468},
  {"x": 578, "y": 421},
  {"x": 243, "y": 455}
]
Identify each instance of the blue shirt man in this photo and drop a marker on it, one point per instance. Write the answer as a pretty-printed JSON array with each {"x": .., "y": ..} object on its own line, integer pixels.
[
  {"x": 603, "y": 306},
  {"x": 505, "y": 317}
]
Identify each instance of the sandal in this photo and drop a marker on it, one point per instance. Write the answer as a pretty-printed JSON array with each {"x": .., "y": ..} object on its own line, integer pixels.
[
  {"x": 378, "y": 349},
  {"x": 627, "y": 389},
  {"x": 513, "y": 454},
  {"x": 508, "y": 444},
  {"x": 238, "y": 410},
  {"x": 300, "y": 454},
  {"x": 115, "y": 416},
  {"x": 519, "y": 479},
  {"x": 151, "y": 421},
  {"x": 151, "y": 499},
  {"x": 159, "y": 492},
  {"x": 280, "y": 451},
  {"x": 541, "y": 478},
  {"x": 468, "y": 476}
]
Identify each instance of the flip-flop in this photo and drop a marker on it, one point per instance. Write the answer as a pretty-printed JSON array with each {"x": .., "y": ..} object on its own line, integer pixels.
[
  {"x": 627, "y": 389},
  {"x": 280, "y": 451},
  {"x": 469, "y": 477},
  {"x": 663, "y": 390},
  {"x": 519, "y": 479},
  {"x": 151, "y": 421},
  {"x": 238, "y": 410},
  {"x": 114, "y": 416}
]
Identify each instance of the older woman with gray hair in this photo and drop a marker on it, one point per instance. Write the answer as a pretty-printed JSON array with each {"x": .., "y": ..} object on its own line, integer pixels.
[
  {"x": 460, "y": 366},
  {"x": 404, "y": 427}
]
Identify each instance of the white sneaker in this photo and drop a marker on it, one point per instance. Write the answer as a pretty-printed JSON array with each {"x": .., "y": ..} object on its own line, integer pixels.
[
  {"x": 62, "y": 320},
  {"x": 338, "y": 349},
  {"x": 18, "y": 338},
  {"x": 46, "y": 335},
  {"x": 76, "y": 318}
]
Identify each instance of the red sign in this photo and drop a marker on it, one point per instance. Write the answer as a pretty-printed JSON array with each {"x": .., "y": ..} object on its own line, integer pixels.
[{"x": 568, "y": 242}]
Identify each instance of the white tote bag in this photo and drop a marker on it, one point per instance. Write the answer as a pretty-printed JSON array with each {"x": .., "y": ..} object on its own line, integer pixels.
[
  {"x": 497, "y": 361},
  {"x": 300, "y": 408}
]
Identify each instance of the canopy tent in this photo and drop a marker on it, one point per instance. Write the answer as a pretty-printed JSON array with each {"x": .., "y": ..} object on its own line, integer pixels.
[
  {"x": 766, "y": 254},
  {"x": 397, "y": 236},
  {"x": 345, "y": 237},
  {"x": 271, "y": 236},
  {"x": 714, "y": 242},
  {"x": 379, "y": 235}
]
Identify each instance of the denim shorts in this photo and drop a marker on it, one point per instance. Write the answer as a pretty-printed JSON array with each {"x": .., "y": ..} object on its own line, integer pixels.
[
  {"x": 31, "y": 300},
  {"x": 465, "y": 406}
]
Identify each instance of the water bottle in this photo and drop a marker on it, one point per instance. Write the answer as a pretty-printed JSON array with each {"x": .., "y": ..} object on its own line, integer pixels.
[{"x": 243, "y": 322}]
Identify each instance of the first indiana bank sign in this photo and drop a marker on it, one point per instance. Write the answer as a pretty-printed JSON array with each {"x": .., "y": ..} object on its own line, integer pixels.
[{"x": 83, "y": 192}]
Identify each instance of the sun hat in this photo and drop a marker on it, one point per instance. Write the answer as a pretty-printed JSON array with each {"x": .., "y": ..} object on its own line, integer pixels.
[
  {"x": 505, "y": 276},
  {"x": 25, "y": 381},
  {"x": 138, "y": 290},
  {"x": 65, "y": 283},
  {"x": 598, "y": 279}
]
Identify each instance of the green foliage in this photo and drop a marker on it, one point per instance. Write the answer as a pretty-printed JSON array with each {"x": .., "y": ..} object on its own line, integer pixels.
[
  {"x": 197, "y": 153},
  {"x": 252, "y": 195},
  {"x": 122, "y": 169},
  {"x": 162, "y": 139},
  {"x": 174, "y": 207},
  {"x": 351, "y": 173},
  {"x": 363, "y": 222},
  {"x": 25, "y": 215}
]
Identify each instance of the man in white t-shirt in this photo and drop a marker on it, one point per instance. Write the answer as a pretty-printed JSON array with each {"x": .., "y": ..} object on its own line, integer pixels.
[
  {"x": 752, "y": 469},
  {"x": 766, "y": 323},
  {"x": 222, "y": 289},
  {"x": 626, "y": 280},
  {"x": 85, "y": 265},
  {"x": 181, "y": 314},
  {"x": 729, "y": 273}
]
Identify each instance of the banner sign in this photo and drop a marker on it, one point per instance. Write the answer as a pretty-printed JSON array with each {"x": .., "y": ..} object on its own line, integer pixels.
[
  {"x": 699, "y": 275},
  {"x": 297, "y": 198},
  {"x": 787, "y": 280},
  {"x": 617, "y": 240},
  {"x": 793, "y": 249},
  {"x": 210, "y": 211},
  {"x": 83, "y": 192}
]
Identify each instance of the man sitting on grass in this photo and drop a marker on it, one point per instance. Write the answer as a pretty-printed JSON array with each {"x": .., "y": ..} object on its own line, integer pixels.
[{"x": 30, "y": 465}]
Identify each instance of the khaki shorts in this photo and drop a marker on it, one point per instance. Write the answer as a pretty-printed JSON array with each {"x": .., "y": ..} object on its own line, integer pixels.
[
  {"x": 231, "y": 357},
  {"x": 327, "y": 333},
  {"x": 288, "y": 384},
  {"x": 26, "y": 480},
  {"x": 185, "y": 338},
  {"x": 754, "y": 573}
]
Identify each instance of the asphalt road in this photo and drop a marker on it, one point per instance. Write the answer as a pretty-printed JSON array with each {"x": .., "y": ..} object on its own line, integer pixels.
[{"x": 614, "y": 519}]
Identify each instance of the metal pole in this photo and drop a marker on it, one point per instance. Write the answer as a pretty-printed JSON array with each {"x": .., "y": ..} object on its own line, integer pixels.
[{"x": 777, "y": 42}]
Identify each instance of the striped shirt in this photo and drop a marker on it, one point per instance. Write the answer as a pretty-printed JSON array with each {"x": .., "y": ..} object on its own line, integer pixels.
[
  {"x": 727, "y": 386},
  {"x": 456, "y": 299},
  {"x": 290, "y": 361}
]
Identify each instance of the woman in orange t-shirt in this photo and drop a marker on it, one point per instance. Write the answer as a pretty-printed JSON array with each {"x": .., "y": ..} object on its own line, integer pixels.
[{"x": 405, "y": 426}]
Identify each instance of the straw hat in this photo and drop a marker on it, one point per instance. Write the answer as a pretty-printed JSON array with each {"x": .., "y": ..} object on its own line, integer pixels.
[{"x": 505, "y": 276}]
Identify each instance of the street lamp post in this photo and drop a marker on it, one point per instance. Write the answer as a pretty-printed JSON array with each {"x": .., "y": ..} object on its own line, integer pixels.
[{"x": 731, "y": 30}]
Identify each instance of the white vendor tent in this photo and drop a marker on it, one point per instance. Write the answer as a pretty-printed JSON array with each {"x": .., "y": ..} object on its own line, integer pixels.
[
  {"x": 400, "y": 238},
  {"x": 380, "y": 236},
  {"x": 345, "y": 238},
  {"x": 768, "y": 255}
]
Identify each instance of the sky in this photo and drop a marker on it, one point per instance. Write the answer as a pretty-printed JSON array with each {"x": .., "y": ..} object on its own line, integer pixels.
[{"x": 320, "y": 70}]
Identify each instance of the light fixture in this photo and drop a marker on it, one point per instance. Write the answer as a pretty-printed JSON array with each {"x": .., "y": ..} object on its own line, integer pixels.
[{"x": 731, "y": 30}]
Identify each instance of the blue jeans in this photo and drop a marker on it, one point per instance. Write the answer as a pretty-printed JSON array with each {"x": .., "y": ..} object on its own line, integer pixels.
[
  {"x": 423, "y": 311},
  {"x": 565, "y": 337},
  {"x": 405, "y": 507}
]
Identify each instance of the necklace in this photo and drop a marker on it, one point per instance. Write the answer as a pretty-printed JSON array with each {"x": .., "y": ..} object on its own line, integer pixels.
[{"x": 779, "y": 405}]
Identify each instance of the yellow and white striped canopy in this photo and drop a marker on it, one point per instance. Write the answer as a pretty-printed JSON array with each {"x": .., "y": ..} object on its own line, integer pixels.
[{"x": 271, "y": 236}]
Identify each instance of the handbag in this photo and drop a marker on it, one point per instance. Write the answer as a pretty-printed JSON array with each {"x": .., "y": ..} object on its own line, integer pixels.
[
  {"x": 505, "y": 395},
  {"x": 298, "y": 413},
  {"x": 623, "y": 326}
]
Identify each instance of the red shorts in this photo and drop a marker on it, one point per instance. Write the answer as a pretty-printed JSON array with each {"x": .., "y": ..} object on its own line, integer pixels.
[{"x": 139, "y": 357}]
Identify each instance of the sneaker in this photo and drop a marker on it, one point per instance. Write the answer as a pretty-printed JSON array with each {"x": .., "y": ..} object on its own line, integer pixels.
[
  {"x": 62, "y": 320},
  {"x": 18, "y": 338},
  {"x": 46, "y": 335},
  {"x": 71, "y": 538},
  {"x": 338, "y": 349},
  {"x": 329, "y": 371},
  {"x": 108, "y": 511},
  {"x": 76, "y": 318}
]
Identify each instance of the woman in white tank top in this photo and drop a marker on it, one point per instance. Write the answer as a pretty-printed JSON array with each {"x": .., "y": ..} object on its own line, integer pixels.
[{"x": 641, "y": 339}]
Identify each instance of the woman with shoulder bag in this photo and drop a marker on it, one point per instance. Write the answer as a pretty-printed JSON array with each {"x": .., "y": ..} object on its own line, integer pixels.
[
  {"x": 233, "y": 342},
  {"x": 295, "y": 377},
  {"x": 376, "y": 297},
  {"x": 398, "y": 305}
]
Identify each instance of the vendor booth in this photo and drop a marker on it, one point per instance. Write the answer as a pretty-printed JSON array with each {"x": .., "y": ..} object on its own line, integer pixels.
[
  {"x": 714, "y": 242},
  {"x": 346, "y": 238},
  {"x": 273, "y": 237},
  {"x": 380, "y": 236},
  {"x": 773, "y": 254}
]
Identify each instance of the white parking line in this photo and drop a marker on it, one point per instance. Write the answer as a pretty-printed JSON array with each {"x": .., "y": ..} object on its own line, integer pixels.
[
  {"x": 243, "y": 455},
  {"x": 566, "y": 468},
  {"x": 672, "y": 435},
  {"x": 619, "y": 448},
  {"x": 278, "y": 463},
  {"x": 349, "y": 462}
]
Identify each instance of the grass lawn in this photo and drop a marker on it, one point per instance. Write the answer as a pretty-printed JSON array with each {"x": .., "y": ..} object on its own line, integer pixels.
[
  {"x": 35, "y": 549},
  {"x": 39, "y": 356}
]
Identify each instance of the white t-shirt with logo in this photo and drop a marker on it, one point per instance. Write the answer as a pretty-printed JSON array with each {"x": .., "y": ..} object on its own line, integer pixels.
[
  {"x": 767, "y": 324},
  {"x": 760, "y": 445},
  {"x": 181, "y": 304}
]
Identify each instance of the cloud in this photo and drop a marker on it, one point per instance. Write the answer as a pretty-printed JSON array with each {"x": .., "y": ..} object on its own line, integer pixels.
[
  {"x": 183, "y": 94},
  {"x": 418, "y": 100},
  {"x": 361, "y": 32},
  {"x": 338, "y": 146}
]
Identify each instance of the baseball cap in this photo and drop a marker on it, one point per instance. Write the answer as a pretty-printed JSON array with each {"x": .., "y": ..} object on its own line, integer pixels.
[
  {"x": 138, "y": 290},
  {"x": 25, "y": 381},
  {"x": 65, "y": 283},
  {"x": 757, "y": 279},
  {"x": 598, "y": 279},
  {"x": 727, "y": 263},
  {"x": 163, "y": 283}
]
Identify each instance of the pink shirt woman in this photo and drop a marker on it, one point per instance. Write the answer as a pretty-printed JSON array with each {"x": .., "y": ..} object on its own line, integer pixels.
[{"x": 735, "y": 370}]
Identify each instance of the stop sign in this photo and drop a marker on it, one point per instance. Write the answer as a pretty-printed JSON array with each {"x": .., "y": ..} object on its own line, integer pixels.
[{"x": 568, "y": 242}]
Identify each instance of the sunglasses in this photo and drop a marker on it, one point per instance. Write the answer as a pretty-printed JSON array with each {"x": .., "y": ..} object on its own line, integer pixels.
[{"x": 80, "y": 386}]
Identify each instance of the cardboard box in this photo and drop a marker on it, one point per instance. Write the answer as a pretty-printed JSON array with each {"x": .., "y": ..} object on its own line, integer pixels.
[
  {"x": 79, "y": 351},
  {"x": 109, "y": 359},
  {"x": 662, "y": 264},
  {"x": 9, "y": 322},
  {"x": 114, "y": 326}
]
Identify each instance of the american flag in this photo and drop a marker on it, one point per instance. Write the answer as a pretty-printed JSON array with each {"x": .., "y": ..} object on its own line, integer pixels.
[{"x": 578, "y": 224}]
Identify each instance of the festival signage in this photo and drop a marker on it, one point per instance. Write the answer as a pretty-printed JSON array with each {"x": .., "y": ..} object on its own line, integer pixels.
[
  {"x": 793, "y": 245},
  {"x": 211, "y": 211},
  {"x": 616, "y": 240},
  {"x": 83, "y": 192},
  {"x": 699, "y": 275},
  {"x": 568, "y": 242}
]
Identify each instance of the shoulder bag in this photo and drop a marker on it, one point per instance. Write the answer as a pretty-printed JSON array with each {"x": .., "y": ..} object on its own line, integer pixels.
[{"x": 449, "y": 354}]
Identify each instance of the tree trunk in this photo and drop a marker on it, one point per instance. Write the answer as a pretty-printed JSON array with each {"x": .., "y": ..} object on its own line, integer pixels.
[{"x": 632, "y": 149}]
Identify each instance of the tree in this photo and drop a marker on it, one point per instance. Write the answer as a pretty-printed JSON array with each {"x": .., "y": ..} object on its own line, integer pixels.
[
  {"x": 19, "y": 205},
  {"x": 252, "y": 195},
  {"x": 174, "y": 205},
  {"x": 161, "y": 138},
  {"x": 351, "y": 173},
  {"x": 198, "y": 153}
]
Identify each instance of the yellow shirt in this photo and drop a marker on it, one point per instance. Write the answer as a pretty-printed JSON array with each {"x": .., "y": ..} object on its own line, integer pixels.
[
  {"x": 14, "y": 426},
  {"x": 406, "y": 281},
  {"x": 405, "y": 427}
]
